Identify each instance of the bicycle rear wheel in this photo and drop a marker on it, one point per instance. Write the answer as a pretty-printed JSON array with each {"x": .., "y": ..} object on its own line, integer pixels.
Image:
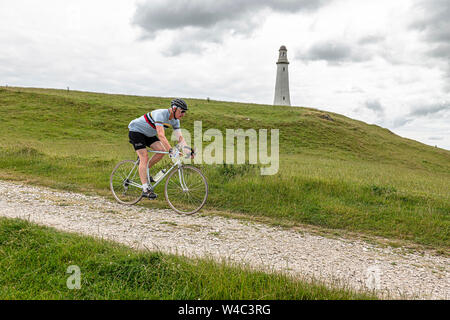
[
  {"x": 186, "y": 190},
  {"x": 125, "y": 183}
]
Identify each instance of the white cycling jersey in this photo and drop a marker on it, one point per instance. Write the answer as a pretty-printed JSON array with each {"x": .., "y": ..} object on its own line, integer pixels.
[{"x": 147, "y": 123}]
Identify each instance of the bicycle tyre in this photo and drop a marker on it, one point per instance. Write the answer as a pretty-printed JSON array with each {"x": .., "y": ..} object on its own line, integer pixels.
[
  {"x": 184, "y": 202},
  {"x": 123, "y": 192}
]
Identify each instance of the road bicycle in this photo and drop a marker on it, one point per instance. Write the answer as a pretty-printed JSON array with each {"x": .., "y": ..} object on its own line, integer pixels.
[{"x": 186, "y": 188}]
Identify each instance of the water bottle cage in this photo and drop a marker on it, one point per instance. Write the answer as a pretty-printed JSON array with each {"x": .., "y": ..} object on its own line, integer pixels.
[{"x": 159, "y": 175}]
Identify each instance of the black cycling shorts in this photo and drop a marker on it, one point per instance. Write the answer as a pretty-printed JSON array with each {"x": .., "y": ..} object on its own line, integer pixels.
[{"x": 140, "y": 141}]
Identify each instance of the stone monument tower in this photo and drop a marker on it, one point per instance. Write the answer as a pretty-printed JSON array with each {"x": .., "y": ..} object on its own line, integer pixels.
[{"x": 282, "y": 97}]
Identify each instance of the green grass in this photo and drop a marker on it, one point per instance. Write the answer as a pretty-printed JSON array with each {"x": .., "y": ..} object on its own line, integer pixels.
[
  {"x": 335, "y": 174},
  {"x": 34, "y": 261}
]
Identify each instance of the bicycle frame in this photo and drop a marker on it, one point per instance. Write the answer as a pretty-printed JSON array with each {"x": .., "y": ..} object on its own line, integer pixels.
[
  {"x": 178, "y": 163},
  {"x": 185, "y": 186}
]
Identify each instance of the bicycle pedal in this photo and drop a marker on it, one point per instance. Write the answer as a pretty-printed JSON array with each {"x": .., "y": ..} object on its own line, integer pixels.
[{"x": 150, "y": 195}]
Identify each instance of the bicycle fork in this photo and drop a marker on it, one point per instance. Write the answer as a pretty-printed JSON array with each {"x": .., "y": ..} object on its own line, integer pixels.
[{"x": 182, "y": 182}]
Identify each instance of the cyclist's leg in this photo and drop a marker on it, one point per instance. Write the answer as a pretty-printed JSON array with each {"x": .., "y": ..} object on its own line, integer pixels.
[
  {"x": 157, "y": 146},
  {"x": 143, "y": 158},
  {"x": 153, "y": 143},
  {"x": 138, "y": 140}
]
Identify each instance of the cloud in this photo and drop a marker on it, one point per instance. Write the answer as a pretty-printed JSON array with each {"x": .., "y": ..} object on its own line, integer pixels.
[
  {"x": 436, "y": 23},
  {"x": 430, "y": 110},
  {"x": 441, "y": 51},
  {"x": 436, "y": 138},
  {"x": 371, "y": 39},
  {"x": 401, "y": 121},
  {"x": 375, "y": 106},
  {"x": 440, "y": 110},
  {"x": 434, "y": 28},
  {"x": 334, "y": 53},
  {"x": 205, "y": 22},
  {"x": 350, "y": 90}
]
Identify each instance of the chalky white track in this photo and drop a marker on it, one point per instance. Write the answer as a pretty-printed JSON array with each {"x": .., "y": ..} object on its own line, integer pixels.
[{"x": 392, "y": 272}]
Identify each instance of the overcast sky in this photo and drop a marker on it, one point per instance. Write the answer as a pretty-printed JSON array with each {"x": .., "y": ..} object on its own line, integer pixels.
[{"x": 383, "y": 62}]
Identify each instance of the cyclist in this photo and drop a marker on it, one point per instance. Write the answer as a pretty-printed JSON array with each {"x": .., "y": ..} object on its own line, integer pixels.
[{"x": 148, "y": 131}]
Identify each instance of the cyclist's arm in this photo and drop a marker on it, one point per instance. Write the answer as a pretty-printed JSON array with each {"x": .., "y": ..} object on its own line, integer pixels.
[
  {"x": 179, "y": 137},
  {"x": 162, "y": 137},
  {"x": 181, "y": 141}
]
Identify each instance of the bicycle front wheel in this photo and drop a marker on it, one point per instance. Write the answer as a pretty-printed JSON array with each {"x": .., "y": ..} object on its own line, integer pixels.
[
  {"x": 186, "y": 190},
  {"x": 125, "y": 182}
]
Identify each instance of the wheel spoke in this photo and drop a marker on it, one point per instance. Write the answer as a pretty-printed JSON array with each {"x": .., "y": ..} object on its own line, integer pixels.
[
  {"x": 186, "y": 201},
  {"x": 125, "y": 194}
]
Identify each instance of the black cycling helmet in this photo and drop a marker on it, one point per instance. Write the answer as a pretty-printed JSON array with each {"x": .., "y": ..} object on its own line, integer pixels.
[{"x": 179, "y": 103}]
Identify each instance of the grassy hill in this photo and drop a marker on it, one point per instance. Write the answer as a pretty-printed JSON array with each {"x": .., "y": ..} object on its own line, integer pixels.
[{"x": 335, "y": 172}]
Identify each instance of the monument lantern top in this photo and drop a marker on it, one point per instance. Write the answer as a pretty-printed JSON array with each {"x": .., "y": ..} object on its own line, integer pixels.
[{"x": 282, "y": 58}]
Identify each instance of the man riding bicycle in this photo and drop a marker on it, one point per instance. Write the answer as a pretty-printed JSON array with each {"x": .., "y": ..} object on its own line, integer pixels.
[{"x": 148, "y": 131}]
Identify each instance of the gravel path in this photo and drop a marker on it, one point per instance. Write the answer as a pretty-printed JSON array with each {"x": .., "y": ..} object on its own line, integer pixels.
[{"x": 392, "y": 273}]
